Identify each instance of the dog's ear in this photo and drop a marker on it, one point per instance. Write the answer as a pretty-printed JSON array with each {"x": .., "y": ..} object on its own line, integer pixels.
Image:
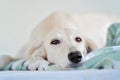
[
  {"x": 90, "y": 46},
  {"x": 35, "y": 51},
  {"x": 89, "y": 49}
]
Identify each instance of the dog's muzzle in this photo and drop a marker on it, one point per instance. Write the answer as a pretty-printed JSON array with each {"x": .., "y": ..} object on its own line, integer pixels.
[{"x": 75, "y": 57}]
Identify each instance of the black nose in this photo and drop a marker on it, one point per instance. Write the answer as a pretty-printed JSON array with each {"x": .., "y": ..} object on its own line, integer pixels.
[{"x": 75, "y": 57}]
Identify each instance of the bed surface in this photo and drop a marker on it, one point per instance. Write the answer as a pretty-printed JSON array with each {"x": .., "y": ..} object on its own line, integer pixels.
[{"x": 61, "y": 75}]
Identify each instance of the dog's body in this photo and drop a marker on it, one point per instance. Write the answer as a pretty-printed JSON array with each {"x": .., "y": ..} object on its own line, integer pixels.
[{"x": 64, "y": 39}]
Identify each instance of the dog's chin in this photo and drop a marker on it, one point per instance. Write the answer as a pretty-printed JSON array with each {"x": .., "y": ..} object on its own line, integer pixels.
[{"x": 73, "y": 65}]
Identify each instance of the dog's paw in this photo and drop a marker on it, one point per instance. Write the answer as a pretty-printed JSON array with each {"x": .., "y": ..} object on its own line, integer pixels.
[
  {"x": 43, "y": 66},
  {"x": 40, "y": 65}
]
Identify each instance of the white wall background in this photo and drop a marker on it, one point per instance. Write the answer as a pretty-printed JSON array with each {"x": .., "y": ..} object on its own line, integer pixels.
[{"x": 19, "y": 17}]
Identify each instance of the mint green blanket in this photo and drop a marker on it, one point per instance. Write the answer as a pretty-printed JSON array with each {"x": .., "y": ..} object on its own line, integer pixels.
[{"x": 105, "y": 58}]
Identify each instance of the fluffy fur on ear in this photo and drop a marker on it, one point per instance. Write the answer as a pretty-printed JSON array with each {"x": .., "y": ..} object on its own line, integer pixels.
[
  {"x": 38, "y": 52},
  {"x": 90, "y": 45},
  {"x": 89, "y": 49},
  {"x": 31, "y": 51}
]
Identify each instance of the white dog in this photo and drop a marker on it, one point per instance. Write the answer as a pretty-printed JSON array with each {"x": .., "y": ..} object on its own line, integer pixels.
[{"x": 63, "y": 39}]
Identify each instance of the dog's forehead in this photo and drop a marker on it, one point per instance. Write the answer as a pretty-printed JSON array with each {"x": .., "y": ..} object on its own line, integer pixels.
[
  {"x": 55, "y": 33},
  {"x": 66, "y": 32},
  {"x": 72, "y": 33}
]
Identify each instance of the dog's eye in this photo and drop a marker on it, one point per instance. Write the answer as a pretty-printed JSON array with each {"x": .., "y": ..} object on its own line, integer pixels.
[
  {"x": 55, "y": 42},
  {"x": 78, "y": 39}
]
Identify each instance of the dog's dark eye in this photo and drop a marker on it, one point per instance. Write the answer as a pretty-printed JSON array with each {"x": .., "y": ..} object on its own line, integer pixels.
[
  {"x": 55, "y": 42},
  {"x": 78, "y": 39}
]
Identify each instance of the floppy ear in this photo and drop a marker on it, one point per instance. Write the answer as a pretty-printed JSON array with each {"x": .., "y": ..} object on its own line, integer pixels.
[
  {"x": 36, "y": 52},
  {"x": 90, "y": 46},
  {"x": 89, "y": 49}
]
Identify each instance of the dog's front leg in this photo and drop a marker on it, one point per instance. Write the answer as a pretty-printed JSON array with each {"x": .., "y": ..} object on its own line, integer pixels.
[{"x": 37, "y": 61}]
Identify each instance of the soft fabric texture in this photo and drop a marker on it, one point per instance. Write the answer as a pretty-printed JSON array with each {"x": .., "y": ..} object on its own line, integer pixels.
[{"x": 105, "y": 58}]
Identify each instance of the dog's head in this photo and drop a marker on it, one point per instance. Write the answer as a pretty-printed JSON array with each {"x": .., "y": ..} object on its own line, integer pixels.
[
  {"x": 66, "y": 47},
  {"x": 57, "y": 40}
]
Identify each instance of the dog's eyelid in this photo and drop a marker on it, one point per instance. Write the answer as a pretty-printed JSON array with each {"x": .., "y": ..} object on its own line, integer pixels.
[
  {"x": 78, "y": 39},
  {"x": 55, "y": 42}
]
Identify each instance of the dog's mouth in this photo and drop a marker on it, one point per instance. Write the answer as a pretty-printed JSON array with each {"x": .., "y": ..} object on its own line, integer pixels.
[{"x": 73, "y": 65}]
